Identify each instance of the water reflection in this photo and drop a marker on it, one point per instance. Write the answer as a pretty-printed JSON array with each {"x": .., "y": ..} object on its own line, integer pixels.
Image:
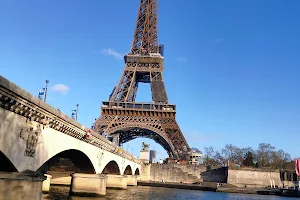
[{"x": 155, "y": 193}]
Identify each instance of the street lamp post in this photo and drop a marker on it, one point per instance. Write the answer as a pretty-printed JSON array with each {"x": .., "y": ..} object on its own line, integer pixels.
[
  {"x": 47, "y": 81},
  {"x": 77, "y": 105}
]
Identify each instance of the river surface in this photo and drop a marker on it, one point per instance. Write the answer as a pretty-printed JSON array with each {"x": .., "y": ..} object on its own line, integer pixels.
[{"x": 156, "y": 193}]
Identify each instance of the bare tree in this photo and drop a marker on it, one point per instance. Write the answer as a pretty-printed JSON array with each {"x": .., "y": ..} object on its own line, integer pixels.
[
  {"x": 264, "y": 154},
  {"x": 233, "y": 154},
  {"x": 279, "y": 158},
  {"x": 213, "y": 157}
]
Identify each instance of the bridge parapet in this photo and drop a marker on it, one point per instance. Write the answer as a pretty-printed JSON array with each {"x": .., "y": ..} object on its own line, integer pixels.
[{"x": 21, "y": 102}]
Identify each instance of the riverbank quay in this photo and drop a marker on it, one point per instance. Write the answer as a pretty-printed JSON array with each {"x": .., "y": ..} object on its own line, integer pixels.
[
  {"x": 239, "y": 190},
  {"x": 227, "y": 188},
  {"x": 280, "y": 192},
  {"x": 261, "y": 191},
  {"x": 176, "y": 185}
]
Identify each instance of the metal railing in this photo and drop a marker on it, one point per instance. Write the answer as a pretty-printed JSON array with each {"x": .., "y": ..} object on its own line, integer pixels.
[{"x": 139, "y": 106}]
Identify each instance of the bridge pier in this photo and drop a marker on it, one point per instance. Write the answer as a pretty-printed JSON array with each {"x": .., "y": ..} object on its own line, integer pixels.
[
  {"x": 116, "y": 181},
  {"x": 132, "y": 180},
  {"x": 46, "y": 184},
  {"x": 88, "y": 184},
  {"x": 60, "y": 178},
  {"x": 21, "y": 186}
]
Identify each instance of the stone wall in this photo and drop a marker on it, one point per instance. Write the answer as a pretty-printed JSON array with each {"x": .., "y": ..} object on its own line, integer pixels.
[
  {"x": 242, "y": 177},
  {"x": 246, "y": 177},
  {"x": 195, "y": 170},
  {"x": 215, "y": 175},
  {"x": 171, "y": 173},
  {"x": 255, "y": 178},
  {"x": 145, "y": 172},
  {"x": 251, "y": 178}
]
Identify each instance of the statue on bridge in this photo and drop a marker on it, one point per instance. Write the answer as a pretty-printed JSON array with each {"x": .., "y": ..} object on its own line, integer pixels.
[
  {"x": 33, "y": 136},
  {"x": 145, "y": 146}
]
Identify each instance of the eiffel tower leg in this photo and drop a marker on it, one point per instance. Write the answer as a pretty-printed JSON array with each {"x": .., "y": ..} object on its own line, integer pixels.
[
  {"x": 125, "y": 87},
  {"x": 159, "y": 94}
]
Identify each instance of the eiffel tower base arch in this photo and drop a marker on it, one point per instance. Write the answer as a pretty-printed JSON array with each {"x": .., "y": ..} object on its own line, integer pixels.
[{"x": 124, "y": 125}]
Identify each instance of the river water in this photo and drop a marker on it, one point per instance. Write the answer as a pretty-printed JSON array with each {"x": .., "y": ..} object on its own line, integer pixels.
[{"x": 156, "y": 193}]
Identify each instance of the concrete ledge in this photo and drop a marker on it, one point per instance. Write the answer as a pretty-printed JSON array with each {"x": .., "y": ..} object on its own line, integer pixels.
[
  {"x": 61, "y": 181},
  {"x": 21, "y": 186},
  {"x": 46, "y": 184},
  {"x": 88, "y": 184},
  {"x": 132, "y": 180},
  {"x": 25, "y": 176},
  {"x": 116, "y": 181},
  {"x": 60, "y": 178}
]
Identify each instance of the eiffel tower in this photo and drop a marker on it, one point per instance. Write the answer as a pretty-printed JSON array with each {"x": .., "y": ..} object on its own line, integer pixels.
[{"x": 122, "y": 118}]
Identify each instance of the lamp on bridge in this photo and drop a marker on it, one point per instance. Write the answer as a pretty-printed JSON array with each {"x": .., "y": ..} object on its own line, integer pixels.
[
  {"x": 47, "y": 81},
  {"x": 74, "y": 113},
  {"x": 77, "y": 105},
  {"x": 43, "y": 92}
]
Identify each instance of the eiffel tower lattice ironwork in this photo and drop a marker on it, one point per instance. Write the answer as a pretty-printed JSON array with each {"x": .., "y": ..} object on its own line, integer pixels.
[{"x": 123, "y": 118}]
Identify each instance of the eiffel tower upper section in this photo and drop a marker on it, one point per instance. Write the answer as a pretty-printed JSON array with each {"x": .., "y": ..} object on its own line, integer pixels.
[{"x": 145, "y": 61}]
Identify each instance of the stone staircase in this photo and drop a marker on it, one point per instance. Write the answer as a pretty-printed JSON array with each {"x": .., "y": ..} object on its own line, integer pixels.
[
  {"x": 188, "y": 177},
  {"x": 193, "y": 171},
  {"x": 173, "y": 173}
]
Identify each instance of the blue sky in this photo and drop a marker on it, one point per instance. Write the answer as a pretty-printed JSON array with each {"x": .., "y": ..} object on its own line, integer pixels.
[{"x": 231, "y": 67}]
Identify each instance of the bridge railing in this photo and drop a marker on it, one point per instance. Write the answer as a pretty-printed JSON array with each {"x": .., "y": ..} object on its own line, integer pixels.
[
  {"x": 19, "y": 101},
  {"x": 140, "y": 106}
]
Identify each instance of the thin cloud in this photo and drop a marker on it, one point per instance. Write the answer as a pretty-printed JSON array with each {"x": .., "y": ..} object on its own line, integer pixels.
[
  {"x": 112, "y": 52},
  {"x": 215, "y": 41},
  {"x": 61, "y": 88},
  {"x": 161, "y": 155},
  {"x": 181, "y": 59},
  {"x": 201, "y": 137},
  {"x": 220, "y": 55}
]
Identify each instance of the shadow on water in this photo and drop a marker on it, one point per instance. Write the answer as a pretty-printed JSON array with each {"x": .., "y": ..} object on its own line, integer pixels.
[{"x": 154, "y": 193}]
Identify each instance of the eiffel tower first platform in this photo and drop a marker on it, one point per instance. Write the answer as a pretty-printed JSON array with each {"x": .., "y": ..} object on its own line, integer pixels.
[{"x": 123, "y": 118}]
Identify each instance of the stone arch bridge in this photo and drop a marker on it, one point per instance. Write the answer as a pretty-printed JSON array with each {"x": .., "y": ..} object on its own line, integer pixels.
[{"x": 32, "y": 134}]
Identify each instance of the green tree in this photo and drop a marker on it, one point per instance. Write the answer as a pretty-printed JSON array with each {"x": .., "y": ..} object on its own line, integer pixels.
[{"x": 248, "y": 161}]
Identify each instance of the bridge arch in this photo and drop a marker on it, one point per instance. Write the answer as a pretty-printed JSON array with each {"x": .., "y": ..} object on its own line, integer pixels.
[
  {"x": 126, "y": 133},
  {"x": 128, "y": 170},
  {"x": 137, "y": 171},
  {"x": 111, "y": 168},
  {"x": 69, "y": 160},
  {"x": 6, "y": 165}
]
